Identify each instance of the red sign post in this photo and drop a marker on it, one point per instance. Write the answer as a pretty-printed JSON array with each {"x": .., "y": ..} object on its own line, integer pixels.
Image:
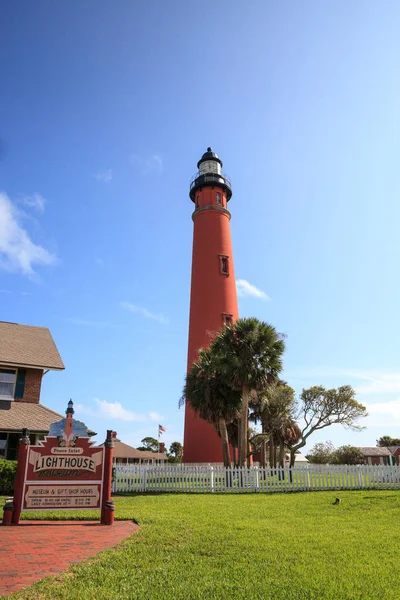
[{"x": 64, "y": 471}]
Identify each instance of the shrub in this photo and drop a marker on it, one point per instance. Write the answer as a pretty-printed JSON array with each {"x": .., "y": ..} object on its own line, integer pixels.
[
  {"x": 322, "y": 453},
  {"x": 8, "y": 469},
  {"x": 348, "y": 455}
]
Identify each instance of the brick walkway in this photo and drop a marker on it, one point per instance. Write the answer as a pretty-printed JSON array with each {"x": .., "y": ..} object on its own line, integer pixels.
[{"x": 36, "y": 549}]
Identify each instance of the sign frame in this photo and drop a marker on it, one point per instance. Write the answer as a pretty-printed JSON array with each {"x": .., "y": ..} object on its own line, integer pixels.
[
  {"x": 66, "y": 459},
  {"x": 67, "y": 483}
]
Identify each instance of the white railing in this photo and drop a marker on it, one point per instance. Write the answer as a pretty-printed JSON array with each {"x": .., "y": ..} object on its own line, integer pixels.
[{"x": 207, "y": 479}]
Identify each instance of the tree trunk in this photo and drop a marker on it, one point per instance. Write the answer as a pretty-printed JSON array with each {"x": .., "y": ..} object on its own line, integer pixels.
[
  {"x": 275, "y": 452},
  {"x": 244, "y": 425},
  {"x": 225, "y": 442},
  {"x": 294, "y": 450},
  {"x": 263, "y": 448},
  {"x": 282, "y": 454},
  {"x": 292, "y": 457},
  {"x": 239, "y": 447},
  {"x": 271, "y": 451}
]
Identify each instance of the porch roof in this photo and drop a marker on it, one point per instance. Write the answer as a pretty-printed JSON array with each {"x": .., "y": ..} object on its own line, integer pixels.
[
  {"x": 122, "y": 450},
  {"x": 15, "y": 416}
]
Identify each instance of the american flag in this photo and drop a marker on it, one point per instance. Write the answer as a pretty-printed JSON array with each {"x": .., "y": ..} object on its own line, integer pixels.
[{"x": 161, "y": 429}]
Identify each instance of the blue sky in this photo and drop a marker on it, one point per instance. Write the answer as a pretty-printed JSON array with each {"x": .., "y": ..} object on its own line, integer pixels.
[{"x": 106, "y": 108}]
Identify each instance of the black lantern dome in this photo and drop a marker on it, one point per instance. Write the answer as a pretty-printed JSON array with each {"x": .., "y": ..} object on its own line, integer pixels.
[
  {"x": 209, "y": 155},
  {"x": 210, "y": 175}
]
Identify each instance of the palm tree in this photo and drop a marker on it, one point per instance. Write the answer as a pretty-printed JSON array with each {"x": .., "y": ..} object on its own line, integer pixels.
[
  {"x": 273, "y": 407},
  {"x": 210, "y": 395},
  {"x": 249, "y": 355}
]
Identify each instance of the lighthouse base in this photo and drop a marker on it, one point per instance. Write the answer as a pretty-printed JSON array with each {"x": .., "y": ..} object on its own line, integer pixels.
[{"x": 201, "y": 443}]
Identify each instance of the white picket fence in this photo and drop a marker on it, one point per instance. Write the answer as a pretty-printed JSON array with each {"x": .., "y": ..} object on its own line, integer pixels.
[{"x": 208, "y": 479}]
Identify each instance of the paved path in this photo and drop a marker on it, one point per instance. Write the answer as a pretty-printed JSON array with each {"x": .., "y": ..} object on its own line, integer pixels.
[{"x": 36, "y": 549}]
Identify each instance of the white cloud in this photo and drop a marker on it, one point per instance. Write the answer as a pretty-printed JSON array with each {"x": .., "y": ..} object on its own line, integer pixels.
[
  {"x": 105, "y": 175},
  {"x": 81, "y": 409},
  {"x": 140, "y": 310},
  {"x": 365, "y": 382},
  {"x": 17, "y": 251},
  {"x": 115, "y": 410},
  {"x": 384, "y": 414},
  {"x": 148, "y": 166},
  {"x": 379, "y": 383},
  {"x": 35, "y": 201},
  {"x": 154, "y": 416},
  {"x": 392, "y": 408},
  {"x": 244, "y": 288},
  {"x": 11, "y": 292}
]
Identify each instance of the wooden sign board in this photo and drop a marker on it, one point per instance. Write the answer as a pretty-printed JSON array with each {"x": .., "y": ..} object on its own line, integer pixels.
[
  {"x": 59, "y": 477},
  {"x": 64, "y": 471}
]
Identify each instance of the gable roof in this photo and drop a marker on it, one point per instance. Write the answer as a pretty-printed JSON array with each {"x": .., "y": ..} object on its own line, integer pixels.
[
  {"x": 375, "y": 451},
  {"x": 299, "y": 457},
  {"x": 28, "y": 346}
]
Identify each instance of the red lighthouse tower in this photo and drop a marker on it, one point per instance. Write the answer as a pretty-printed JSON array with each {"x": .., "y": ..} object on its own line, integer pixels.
[{"x": 213, "y": 299}]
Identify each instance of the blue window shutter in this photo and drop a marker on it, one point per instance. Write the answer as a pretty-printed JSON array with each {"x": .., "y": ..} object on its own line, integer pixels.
[{"x": 20, "y": 383}]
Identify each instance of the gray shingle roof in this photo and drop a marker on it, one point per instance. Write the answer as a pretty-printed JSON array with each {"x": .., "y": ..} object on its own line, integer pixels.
[
  {"x": 375, "y": 451},
  {"x": 14, "y": 416},
  {"x": 122, "y": 450},
  {"x": 28, "y": 346}
]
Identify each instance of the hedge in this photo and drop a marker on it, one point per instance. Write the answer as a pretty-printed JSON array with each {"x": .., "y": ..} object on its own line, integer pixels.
[{"x": 8, "y": 469}]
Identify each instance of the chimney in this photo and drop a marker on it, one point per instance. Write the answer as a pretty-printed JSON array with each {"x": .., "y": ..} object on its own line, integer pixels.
[{"x": 162, "y": 447}]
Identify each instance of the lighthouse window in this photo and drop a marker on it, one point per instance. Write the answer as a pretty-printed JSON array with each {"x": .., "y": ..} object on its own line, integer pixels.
[
  {"x": 227, "y": 319},
  {"x": 224, "y": 265},
  {"x": 218, "y": 198}
]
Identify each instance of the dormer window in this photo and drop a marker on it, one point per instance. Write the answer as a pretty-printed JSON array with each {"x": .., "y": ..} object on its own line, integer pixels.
[
  {"x": 7, "y": 383},
  {"x": 219, "y": 198},
  {"x": 224, "y": 265}
]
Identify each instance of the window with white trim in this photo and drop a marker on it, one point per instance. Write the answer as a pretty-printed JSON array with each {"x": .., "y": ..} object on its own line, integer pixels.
[
  {"x": 7, "y": 383},
  {"x": 219, "y": 198}
]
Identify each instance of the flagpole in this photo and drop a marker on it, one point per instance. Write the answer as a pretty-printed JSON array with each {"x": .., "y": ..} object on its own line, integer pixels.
[{"x": 158, "y": 439}]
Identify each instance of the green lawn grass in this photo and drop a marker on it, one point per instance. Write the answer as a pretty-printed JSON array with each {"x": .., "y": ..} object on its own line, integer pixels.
[{"x": 278, "y": 546}]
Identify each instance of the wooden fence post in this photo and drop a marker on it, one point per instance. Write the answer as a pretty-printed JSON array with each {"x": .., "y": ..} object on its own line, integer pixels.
[
  {"x": 23, "y": 450},
  {"x": 257, "y": 479},
  {"x": 107, "y": 506}
]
